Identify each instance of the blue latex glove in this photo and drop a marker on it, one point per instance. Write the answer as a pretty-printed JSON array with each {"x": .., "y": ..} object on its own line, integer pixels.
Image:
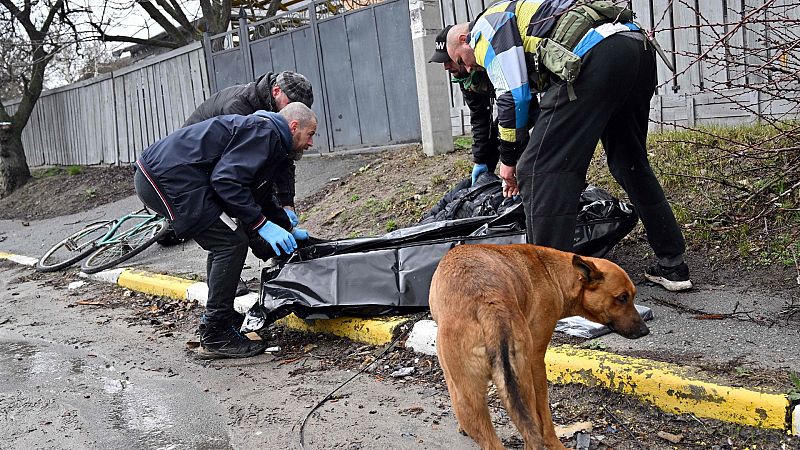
[
  {"x": 477, "y": 170},
  {"x": 278, "y": 238},
  {"x": 292, "y": 217},
  {"x": 300, "y": 234}
]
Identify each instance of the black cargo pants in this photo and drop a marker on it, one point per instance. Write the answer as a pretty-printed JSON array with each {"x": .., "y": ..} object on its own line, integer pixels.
[{"x": 614, "y": 88}]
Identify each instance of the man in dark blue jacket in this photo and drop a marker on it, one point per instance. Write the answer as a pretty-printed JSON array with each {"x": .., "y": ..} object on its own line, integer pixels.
[
  {"x": 201, "y": 177},
  {"x": 269, "y": 92}
]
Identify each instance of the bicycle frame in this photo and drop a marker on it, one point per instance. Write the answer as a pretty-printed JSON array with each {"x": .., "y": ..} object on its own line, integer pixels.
[{"x": 111, "y": 236}]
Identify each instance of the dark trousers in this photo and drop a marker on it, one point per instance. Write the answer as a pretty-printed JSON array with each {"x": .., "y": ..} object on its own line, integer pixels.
[
  {"x": 614, "y": 88},
  {"x": 227, "y": 250}
]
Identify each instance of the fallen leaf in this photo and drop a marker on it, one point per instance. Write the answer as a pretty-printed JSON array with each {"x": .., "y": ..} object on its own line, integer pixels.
[
  {"x": 330, "y": 218},
  {"x": 309, "y": 347},
  {"x": 567, "y": 431},
  {"x": 674, "y": 438}
]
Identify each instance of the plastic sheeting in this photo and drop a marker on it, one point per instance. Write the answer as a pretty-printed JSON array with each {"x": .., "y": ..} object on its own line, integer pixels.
[
  {"x": 391, "y": 274},
  {"x": 584, "y": 328}
]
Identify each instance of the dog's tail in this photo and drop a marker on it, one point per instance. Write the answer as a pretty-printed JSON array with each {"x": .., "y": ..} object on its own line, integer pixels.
[{"x": 508, "y": 344}]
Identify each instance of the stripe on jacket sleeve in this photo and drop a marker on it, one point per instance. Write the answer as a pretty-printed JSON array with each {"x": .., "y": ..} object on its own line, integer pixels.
[
  {"x": 158, "y": 191},
  {"x": 261, "y": 221}
]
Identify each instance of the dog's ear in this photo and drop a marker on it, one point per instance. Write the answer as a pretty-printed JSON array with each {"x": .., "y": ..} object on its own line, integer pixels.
[{"x": 587, "y": 270}]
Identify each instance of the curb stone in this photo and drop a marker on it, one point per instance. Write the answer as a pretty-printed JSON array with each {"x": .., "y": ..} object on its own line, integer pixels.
[
  {"x": 24, "y": 260},
  {"x": 667, "y": 386},
  {"x": 796, "y": 421}
]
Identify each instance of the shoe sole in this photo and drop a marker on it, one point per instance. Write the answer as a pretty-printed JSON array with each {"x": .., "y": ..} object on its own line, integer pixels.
[
  {"x": 669, "y": 285},
  {"x": 212, "y": 354}
]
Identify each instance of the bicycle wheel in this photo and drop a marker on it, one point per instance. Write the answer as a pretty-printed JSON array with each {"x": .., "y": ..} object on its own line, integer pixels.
[
  {"x": 73, "y": 248},
  {"x": 126, "y": 247}
]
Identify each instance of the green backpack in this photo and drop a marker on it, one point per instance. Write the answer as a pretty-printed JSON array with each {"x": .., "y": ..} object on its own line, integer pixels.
[{"x": 554, "y": 52}]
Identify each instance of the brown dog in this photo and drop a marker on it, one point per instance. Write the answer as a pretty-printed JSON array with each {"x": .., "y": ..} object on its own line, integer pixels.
[{"x": 496, "y": 307}]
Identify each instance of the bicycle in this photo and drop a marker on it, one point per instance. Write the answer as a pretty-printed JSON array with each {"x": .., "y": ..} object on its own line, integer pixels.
[{"x": 106, "y": 243}]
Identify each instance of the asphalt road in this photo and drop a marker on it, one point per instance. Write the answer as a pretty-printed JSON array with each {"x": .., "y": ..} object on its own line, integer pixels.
[{"x": 75, "y": 376}]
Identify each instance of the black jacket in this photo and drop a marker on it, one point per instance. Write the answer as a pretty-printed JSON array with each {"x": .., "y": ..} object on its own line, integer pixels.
[
  {"x": 245, "y": 99},
  {"x": 485, "y": 138},
  {"x": 479, "y": 97},
  {"x": 214, "y": 166}
]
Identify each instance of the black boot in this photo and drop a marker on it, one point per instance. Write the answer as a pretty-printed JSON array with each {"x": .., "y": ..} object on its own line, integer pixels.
[
  {"x": 236, "y": 321},
  {"x": 228, "y": 343}
]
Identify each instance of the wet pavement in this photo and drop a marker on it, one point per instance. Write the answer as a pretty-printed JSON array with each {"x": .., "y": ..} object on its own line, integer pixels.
[
  {"x": 87, "y": 376},
  {"x": 77, "y": 396}
]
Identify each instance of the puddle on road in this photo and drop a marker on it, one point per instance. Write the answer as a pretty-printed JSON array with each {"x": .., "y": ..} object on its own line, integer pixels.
[
  {"x": 22, "y": 362},
  {"x": 170, "y": 415},
  {"x": 145, "y": 411}
]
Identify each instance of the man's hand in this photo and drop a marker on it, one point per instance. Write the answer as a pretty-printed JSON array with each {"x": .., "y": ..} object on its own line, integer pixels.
[
  {"x": 278, "y": 238},
  {"x": 292, "y": 216},
  {"x": 300, "y": 234},
  {"x": 477, "y": 170},
  {"x": 509, "y": 176}
]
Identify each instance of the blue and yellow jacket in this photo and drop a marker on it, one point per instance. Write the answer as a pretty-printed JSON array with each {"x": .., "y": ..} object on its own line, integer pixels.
[{"x": 504, "y": 39}]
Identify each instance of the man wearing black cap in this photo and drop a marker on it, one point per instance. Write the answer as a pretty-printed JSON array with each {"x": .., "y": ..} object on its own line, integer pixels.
[{"x": 478, "y": 94}]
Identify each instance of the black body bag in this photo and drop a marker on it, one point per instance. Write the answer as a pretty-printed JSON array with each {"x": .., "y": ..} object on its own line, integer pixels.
[{"x": 391, "y": 274}]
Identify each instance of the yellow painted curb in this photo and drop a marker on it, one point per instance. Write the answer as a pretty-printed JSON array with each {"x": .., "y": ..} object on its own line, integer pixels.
[
  {"x": 666, "y": 386},
  {"x": 369, "y": 331},
  {"x": 151, "y": 283}
]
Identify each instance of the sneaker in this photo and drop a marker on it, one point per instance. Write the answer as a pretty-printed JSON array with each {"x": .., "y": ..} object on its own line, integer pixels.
[
  {"x": 241, "y": 288},
  {"x": 229, "y": 343},
  {"x": 671, "y": 278}
]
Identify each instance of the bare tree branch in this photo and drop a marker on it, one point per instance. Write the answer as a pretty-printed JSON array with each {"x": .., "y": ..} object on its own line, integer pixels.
[
  {"x": 168, "y": 27},
  {"x": 143, "y": 41},
  {"x": 173, "y": 8}
]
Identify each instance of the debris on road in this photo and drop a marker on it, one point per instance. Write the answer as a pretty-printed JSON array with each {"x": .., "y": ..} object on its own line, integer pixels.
[
  {"x": 582, "y": 440},
  {"x": 76, "y": 285},
  {"x": 90, "y": 303},
  {"x": 402, "y": 372},
  {"x": 674, "y": 438},
  {"x": 567, "y": 431}
]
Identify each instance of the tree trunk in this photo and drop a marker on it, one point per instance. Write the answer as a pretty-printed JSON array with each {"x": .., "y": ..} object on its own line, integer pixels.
[{"x": 14, "y": 170}]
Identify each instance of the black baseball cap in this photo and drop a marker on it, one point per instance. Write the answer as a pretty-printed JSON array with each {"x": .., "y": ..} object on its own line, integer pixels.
[{"x": 440, "y": 54}]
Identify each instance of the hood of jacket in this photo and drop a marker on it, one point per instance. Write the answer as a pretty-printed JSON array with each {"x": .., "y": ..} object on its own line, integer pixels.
[{"x": 280, "y": 124}]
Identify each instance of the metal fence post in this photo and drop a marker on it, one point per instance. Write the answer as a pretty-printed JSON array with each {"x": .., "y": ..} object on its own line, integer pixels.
[
  {"x": 312, "y": 15},
  {"x": 211, "y": 73},
  {"x": 244, "y": 46}
]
